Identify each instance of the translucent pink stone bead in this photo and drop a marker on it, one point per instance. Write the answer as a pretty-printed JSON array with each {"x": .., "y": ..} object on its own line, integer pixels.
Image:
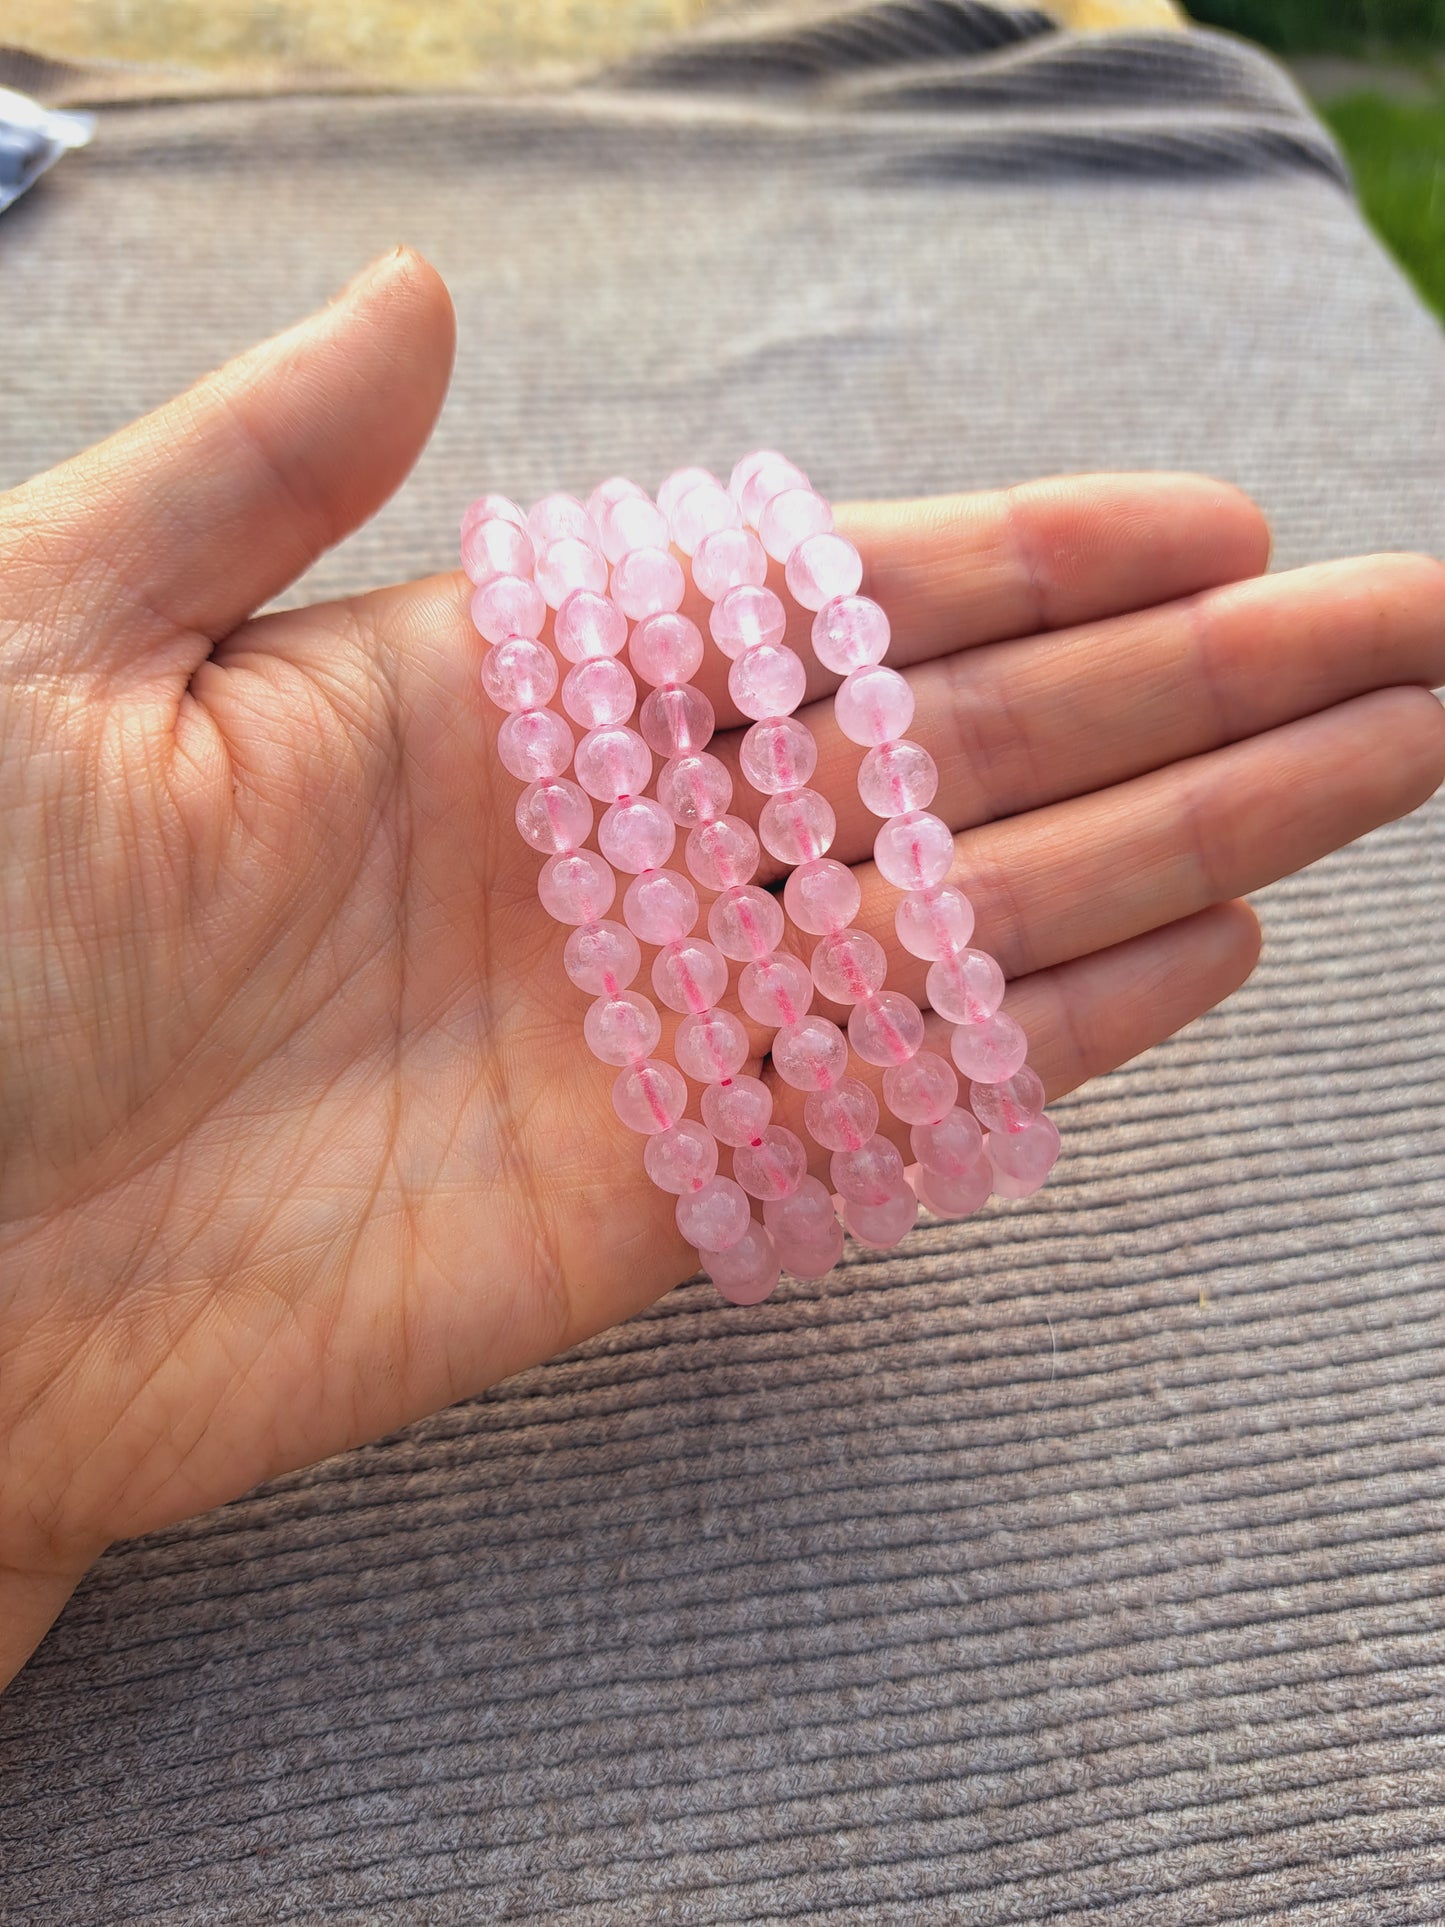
[
  {"x": 797, "y": 827},
  {"x": 617, "y": 488},
  {"x": 676, "y": 720},
  {"x": 882, "y": 1225},
  {"x": 677, "y": 485},
  {"x": 660, "y": 907},
  {"x": 810, "y": 1055},
  {"x": 559, "y": 516},
  {"x": 805, "y": 1214},
  {"x": 1010, "y": 1106},
  {"x": 823, "y": 567},
  {"x": 519, "y": 673},
  {"x": 921, "y": 1091},
  {"x": 951, "y": 1146},
  {"x": 682, "y": 1159},
  {"x": 873, "y": 705},
  {"x": 622, "y": 1029},
  {"x": 589, "y": 624},
  {"x": 666, "y": 648},
  {"x": 746, "y": 618},
  {"x": 790, "y": 517},
  {"x": 960, "y": 1196},
  {"x": 843, "y": 1118},
  {"x": 702, "y": 510},
  {"x": 554, "y": 816},
  {"x": 598, "y": 691},
  {"x": 694, "y": 789},
  {"x": 489, "y": 508},
  {"x": 934, "y": 923},
  {"x": 778, "y": 754},
  {"x": 767, "y": 680},
  {"x": 966, "y": 986},
  {"x": 914, "y": 852},
  {"x": 690, "y": 975},
  {"x": 577, "y": 888},
  {"x": 774, "y": 1167},
  {"x": 895, "y": 778},
  {"x": 602, "y": 957},
  {"x": 534, "y": 744},
  {"x": 810, "y": 1258},
  {"x": 1021, "y": 1160},
  {"x": 748, "y": 1271},
  {"x": 650, "y": 1097},
  {"x": 886, "y": 1029},
  {"x": 711, "y": 1046},
  {"x": 849, "y": 966},
  {"x": 776, "y": 991},
  {"x": 822, "y": 896},
  {"x": 746, "y": 924},
  {"x": 728, "y": 559},
  {"x": 714, "y": 1217},
  {"x": 569, "y": 564},
  {"x": 723, "y": 853},
  {"x": 496, "y": 547},
  {"x": 508, "y": 605},
  {"x": 989, "y": 1052},
  {"x": 636, "y": 835},
  {"x": 647, "y": 582},
  {"x": 758, "y": 477},
  {"x": 870, "y": 1175},
  {"x": 739, "y": 1112},
  {"x": 849, "y": 633},
  {"x": 612, "y": 762},
  {"x": 632, "y": 523}
]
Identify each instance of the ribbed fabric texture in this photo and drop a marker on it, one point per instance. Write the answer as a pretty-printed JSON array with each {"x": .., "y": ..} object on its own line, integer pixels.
[{"x": 1084, "y": 1562}]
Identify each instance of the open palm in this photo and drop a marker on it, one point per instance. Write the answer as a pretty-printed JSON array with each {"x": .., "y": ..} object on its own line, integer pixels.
[{"x": 297, "y": 1136}]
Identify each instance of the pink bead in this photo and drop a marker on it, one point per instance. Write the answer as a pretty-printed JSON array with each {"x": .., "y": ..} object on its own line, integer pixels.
[
  {"x": 813, "y": 1257},
  {"x": 776, "y": 991},
  {"x": 612, "y": 762},
  {"x": 589, "y": 624},
  {"x": 790, "y": 518},
  {"x": 554, "y": 816},
  {"x": 508, "y": 605},
  {"x": 895, "y": 778},
  {"x": 886, "y": 1029},
  {"x": 966, "y": 986},
  {"x": 746, "y": 618},
  {"x": 534, "y": 744},
  {"x": 956, "y": 1197},
  {"x": 870, "y": 1175},
  {"x": 519, "y": 673},
  {"x": 650, "y": 1097},
  {"x": 951, "y": 1146},
  {"x": 746, "y": 923},
  {"x": 849, "y": 967},
  {"x": 607, "y": 494},
  {"x": 711, "y": 1046},
  {"x": 636, "y": 835},
  {"x": 822, "y": 896},
  {"x": 767, "y": 680},
  {"x": 1021, "y": 1160},
  {"x": 648, "y": 582},
  {"x": 934, "y": 923},
  {"x": 842, "y": 1118},
  {"x": 632, "y": 523},
  {"x": 921, "y": 1091},
  {"x": 739, "y": 1112},
  {"x": 990, "y": 1052},
  {"x": 682, "y": 1159},
  {"x": 849, "y": 633},
  {"x": 778, "y": 754},
  {"x": 728, "y": 559},
  {"x": 882, "y": 1225},
  {"x": 914, "y": 852},
  {"x": 676, "y": 720},
  {"x": 811, "y": 1055},
  {"x": 690, "y": 975},
  {"x": 746, "y": 1273},
  {"x": 694, "y": 789},
  {"x": 660, "y": 906},
  {"x": 568, "y": 564},
  {"x": 601, "y": 957},
  {"x": 723, "y": 853},
  {"x": 758, "y": 477},
  {"x": 823, "y": 567},
  {"x": 806, "y": 1213},
  {"x": 677, "y": 485},
  {"x": 797, "y": 827},
  {"x": 1010, "y": 1106},
  {"x": 702, "y": 510},
  {"x": 558, "y": 516},
  {"x": 873, "y": 705},
  {"x": 488, "y": 508},
  {"x": 666, "y": 648},
  {"x": 715, "y": 1216},
  {"x": 598, "y": 691},
  {"x": 496, "y": 547},
  {"x": 577, "y": 888},
  {"x": 773, "y": 1168},
  {"x": 622, "y": 1029}
]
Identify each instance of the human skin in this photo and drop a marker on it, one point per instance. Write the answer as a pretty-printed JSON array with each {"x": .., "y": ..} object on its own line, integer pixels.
[{"x": 297, "y": 1141}]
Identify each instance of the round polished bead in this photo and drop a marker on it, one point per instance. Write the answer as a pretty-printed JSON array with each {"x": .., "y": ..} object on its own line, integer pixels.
[
  {"x": 746, "y": 923},
  {"x": 959, "y": 1196},
  {"x": 728, "y": 559},
  {"x": 636, "y": 835},
  {"x": 951, "y": 1146},
  {"x": 676, "y": 720},
  {"x": 767, "y": 680},
  {"x": 869, "y": 1175},
  {"x": 660, "y": 906},
  {"x": 690, "y": 975},
  {"x": 723, "y": 853},
  {"x": 623, "y": 1029},
  {"x": 790, "y": 517},
  {"x": 682, "y": 1159},
  {"x": 617, "y": 488},
  {"x": 758, "y": 477},
  {"x": 716, "y": 1216},
  {"x": 666, "y": 648},
  {"x": 797, "y": 827},
  {"x": 632, "y": 523},
  {"x": 711, "y": 1046},
  {"x": 576, "y": 888},
  {"x": 849, "y": 966},
  {"x": 694, "y": 789},
  {"x": 496, "y": 546},
  {"x": 778, "y": 754},
  {"x": 822, "y": 896},
  {"x": 811, "y": 1055},
  {"x": 776, "y": 991},
  {"x": 612, "y": 762},
  {"x": 886, "y": 1028},
  {"x": 554, "y": 816},
  {"x": 914, "y": 852},
  {"x": 704, "y": 509},
  {"x": 1010, "y": 1106},
  {"x": 746, "y": 618},
  {"x": 921, "y": 1091},
  {"x": 519, "y": 674},
  {"x": 534, "y": 744},
  {"x": 883, "y": 1225},
  {"x": 895, "y": 778},
  {"x": 650, "y": 1097},
  {"x": 598, "y": 691},
  {"x": 989, "y": 1052},
  {"x": 737, "y": 1112},
  {"x": 508, "y": 605},
  {"x": 849, "y": 633},
  {"x": 589, "y": 624},
  {"x": 648, "y": 582},
  {"x": 772, "y": 1168},
  {"x": 805, "y": 1213},
  {"x": 556, "y": 517},
  {"x": 823, "y": 567},
  {"x": 966, "y": 986},
  {"x": 842, "y": 1118},
  {"x": 1021, "y": 1160},
  {"x": 748, "y": 1271},
  {"x": 934, "y": 923},
  {"x": 677, "y": 485},
  {"x": 602, "y": 957},
  {"x": 810, "y": 1257},
  {"x": 568, "y": 564},
  {"x": 873, "y": 705},
  {"x": 489, "y": 508}
]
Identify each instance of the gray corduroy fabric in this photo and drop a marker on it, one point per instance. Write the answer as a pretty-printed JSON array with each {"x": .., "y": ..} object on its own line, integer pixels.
[{"x": 1085, "y": 1561}]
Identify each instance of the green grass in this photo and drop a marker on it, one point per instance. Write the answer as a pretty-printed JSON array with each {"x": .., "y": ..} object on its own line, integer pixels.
[{"x": 1399, "y": 28}]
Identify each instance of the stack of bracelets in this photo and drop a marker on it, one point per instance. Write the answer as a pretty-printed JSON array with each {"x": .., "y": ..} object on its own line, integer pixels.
[{"x": 607, "y": 578}]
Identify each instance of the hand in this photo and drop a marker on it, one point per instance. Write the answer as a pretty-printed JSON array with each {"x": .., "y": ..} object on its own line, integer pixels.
[{"x": 297, "y": 1136}]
